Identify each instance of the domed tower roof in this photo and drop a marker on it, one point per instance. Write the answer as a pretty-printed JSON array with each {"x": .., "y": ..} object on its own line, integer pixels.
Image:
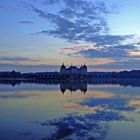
[
  {"x": 63, "y": 66},
  {"x": 84, "y": 66}
]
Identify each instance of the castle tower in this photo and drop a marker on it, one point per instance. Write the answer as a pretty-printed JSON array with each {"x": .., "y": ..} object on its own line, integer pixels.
[
  {"x": 62, "y": 68},
  {"x": 85, "y": 68}
]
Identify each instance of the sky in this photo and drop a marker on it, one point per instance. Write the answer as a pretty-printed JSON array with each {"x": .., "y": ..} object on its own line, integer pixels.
[{"x": 40, "y": 35}]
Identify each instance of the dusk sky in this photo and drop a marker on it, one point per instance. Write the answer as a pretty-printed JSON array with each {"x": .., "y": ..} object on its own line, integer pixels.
[{"x": 39, "y": 35}]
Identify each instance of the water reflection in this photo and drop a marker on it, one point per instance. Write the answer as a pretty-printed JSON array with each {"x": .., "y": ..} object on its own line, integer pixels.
[
  {"x": 82, "y": 127},
  {"x": 74, "y": 85},
  {"x": 40, "y": 112}
]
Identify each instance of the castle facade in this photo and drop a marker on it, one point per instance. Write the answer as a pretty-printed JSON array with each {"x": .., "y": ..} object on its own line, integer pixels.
[{"x": 73, "y": 71}]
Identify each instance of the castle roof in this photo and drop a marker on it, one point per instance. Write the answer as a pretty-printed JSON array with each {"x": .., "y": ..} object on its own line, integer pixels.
[
  {"x": 73, "y": 67},
  {"x": 63, "y": 66}
]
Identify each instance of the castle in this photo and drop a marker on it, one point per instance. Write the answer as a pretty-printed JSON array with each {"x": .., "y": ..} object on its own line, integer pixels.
[{"x": 73, "y": 71}]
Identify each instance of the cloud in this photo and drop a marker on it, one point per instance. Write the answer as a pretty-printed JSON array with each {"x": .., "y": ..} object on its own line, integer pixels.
[
  {"x": 130, "y": 64},
  {"x": 75, "y": 126},
  {"x": 119, "y": 52},
  {"x": 26, "y": 22},
  {"x": 17, "y": 59},
  {"x": 17, "y": 96},
  {"x": 76, "y": 49},
  {"x": 85, "y": 22},
  {"x": 79, "y": 20},
  {"x": 78, "y": 4},
  {"x": 113, "y": 103},
  {"x": 51, "y": 1},
  {"x": 76, "y": 20},
  {"x": 108, "y": 51},
  {"x": 28, "y": 68},
  {"x": 111, "y": 40}
]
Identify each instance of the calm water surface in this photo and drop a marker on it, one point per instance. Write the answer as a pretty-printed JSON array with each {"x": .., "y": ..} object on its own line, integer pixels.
[{"x": 44, "y": 112}]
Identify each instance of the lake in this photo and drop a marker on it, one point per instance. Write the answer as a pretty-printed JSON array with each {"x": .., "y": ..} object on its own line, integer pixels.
[{"x": 101, "y": 111}]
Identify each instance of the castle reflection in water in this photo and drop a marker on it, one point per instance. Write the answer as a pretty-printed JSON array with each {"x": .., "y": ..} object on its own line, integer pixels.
[{"x": 74, "y": 85}]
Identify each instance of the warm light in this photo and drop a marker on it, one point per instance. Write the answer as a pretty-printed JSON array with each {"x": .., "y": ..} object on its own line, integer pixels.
[{"x": 134, "y": 53}]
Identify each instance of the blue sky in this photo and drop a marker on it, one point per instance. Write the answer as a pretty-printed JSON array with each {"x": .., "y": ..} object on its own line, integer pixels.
[{"x": 39, "y": 35}]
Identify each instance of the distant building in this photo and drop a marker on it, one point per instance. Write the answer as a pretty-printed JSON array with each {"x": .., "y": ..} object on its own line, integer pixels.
[{"x": 73, "y": 71}]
